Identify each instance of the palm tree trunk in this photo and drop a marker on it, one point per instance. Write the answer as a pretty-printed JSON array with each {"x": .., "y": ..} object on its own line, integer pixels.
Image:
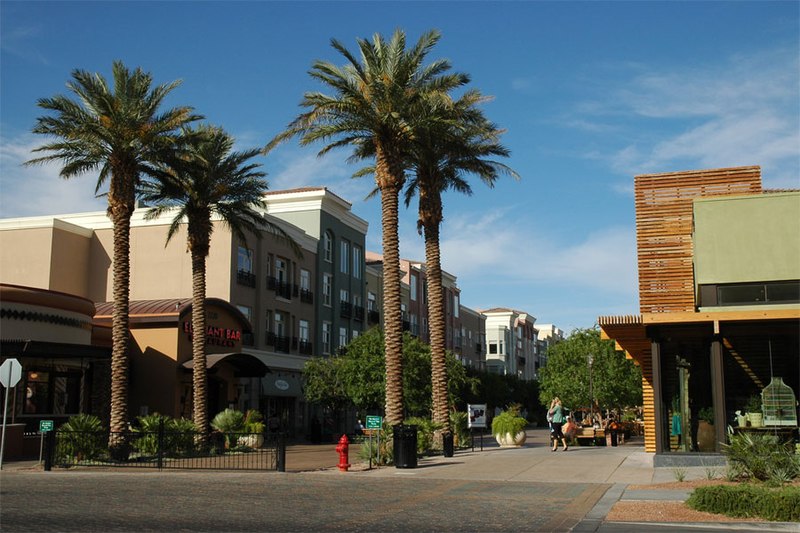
[
  {"x": 392, "y": 316},
  {"x": 119, "y": 327},
  {"x": 430, "y": 215},
  {"x": 199, "y": 371}
]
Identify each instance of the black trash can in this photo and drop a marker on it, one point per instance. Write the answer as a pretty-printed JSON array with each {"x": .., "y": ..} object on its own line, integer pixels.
[
  {"x": 405, "y": 446},
  {"x": 447, "y": 444},
  {"x": 613, "y": 438}
]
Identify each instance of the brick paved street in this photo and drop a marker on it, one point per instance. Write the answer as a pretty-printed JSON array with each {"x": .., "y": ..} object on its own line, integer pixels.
[{"x": 220, "y": 501}]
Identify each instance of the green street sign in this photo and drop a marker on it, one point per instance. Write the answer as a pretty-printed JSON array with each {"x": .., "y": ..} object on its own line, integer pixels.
[
  {"x": 374, "y": 422},
  {"x": 45, "y": 426}
]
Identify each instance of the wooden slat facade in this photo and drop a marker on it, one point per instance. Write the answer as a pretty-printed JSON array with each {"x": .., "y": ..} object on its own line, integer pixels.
[
  {"x": 630, "y": 336},
  {"x": 664, "y": 220}
]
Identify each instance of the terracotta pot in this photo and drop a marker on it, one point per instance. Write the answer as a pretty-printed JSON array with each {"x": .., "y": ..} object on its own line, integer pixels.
[{"x": 706, "y": 437}]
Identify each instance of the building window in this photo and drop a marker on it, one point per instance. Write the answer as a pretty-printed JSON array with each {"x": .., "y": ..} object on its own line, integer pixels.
[
  {"x": 327, "y": 247},
  {"x": 357, "y": 258},
  {"x": 304, "y": 330},
  {"x": 413, "y": 288},
  {"x": 355, "y": 334},
  {"x": 344, "y": 296},
  {"x": 493, "y": 348},
  {"x": 342, "y": 337},
  {"x": 327, "y": 287},
  {"x": 344, "y": 257},
  {"x": 326, "y": 337},
  {"x": 281, "y": 270},
  {"x": 457, "y": 305},
  {"x": 245, "y": 262},
  {"x": 247, "y": 311},
  {"x": 371, "y": 304},
  {"x": 305, "y": 280},
  {"x": 244, "y": 268}
]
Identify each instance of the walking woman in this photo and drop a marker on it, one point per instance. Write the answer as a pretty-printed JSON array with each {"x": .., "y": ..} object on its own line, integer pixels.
[{"x": 558, "y": 420}]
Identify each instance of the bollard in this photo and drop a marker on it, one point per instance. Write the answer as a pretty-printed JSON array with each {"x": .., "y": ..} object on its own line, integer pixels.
[
  {"x": 343, "y": 449},
  {"x": 50, "y": 450},
  {"x": 281, "y": 452}
]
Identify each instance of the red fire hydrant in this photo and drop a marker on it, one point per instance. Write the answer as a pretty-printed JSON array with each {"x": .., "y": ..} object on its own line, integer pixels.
[{"x": 343, "y": 449}]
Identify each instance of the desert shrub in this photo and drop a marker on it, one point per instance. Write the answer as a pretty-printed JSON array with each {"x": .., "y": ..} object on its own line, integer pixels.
[
  {"x": 82, "y": 437},
  {"x": 425, "y": 430},
  {"x": 458, "y": 421},
  {"x": 762, "y": 456},
  {"x": 748, "y": 501},
  {"x": 179, "y": 434},
  {"x": 230, "y": 423}
]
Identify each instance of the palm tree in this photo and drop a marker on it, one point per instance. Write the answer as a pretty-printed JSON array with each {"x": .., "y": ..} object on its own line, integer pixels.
[
  {"x": 121, "y": 133},
  {"x": 442, "y": 153},
  {"x": 206, "y": 180},
  {"x": 374, "y": 109}
]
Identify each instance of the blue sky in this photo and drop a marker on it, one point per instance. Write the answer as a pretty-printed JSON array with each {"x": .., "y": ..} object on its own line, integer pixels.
[{"x": 591, "y": 94}]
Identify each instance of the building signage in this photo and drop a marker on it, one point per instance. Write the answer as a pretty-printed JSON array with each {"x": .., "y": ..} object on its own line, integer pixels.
[
  {"x": 281, "y": 384},
  {"x": 477, "y": 415},
  {"x": 216, "y": 336},
  {"x": 45, "y": 426}
]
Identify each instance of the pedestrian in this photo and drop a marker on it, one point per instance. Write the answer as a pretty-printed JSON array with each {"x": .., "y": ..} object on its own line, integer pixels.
[{"x": 558, "y": 420}]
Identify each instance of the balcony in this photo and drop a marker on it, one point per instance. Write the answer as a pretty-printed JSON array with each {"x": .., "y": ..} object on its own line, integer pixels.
[
  {"x": 248, "y": 279},
  {"x": 281, "y": 288},
  {"x": 345, "y": 309},
  {"x": 359, "y": 313},
  {"x": 373, "y": 317},
  {"x": 306, "y": 296},
  {"x": 305, "y": 348},
  {"x": 406, "y": 325},
  {"x": 283, "y": 344}
]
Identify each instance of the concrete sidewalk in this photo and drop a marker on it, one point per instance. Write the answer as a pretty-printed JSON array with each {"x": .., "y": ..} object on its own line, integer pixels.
[{"x": 612, "y": 469}]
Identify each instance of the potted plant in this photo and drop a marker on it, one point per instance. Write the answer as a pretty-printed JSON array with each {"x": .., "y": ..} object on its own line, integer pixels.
[
  {"x": 254, "y": 429},
  {"x": 754, "y": 414},
  {"x": 229, "y": 423},
  {"x": 705, "y": 430},
  {"x": 508, "y": 427}
]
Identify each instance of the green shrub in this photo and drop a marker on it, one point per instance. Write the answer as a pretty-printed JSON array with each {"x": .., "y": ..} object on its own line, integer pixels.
[
  {"x": 458, "y": 421},
  {"x": 229, "y": 422},
  {"x": 253, "y": 422},
  {"x": 82, "y": 437},
  {"x": 748, "y": 501},
  {"x": 762, "y": 456},
  {"x": 146, "y": 441},
  {"x": 425, "y": 430},
  {"x": 508, "y": 421}
]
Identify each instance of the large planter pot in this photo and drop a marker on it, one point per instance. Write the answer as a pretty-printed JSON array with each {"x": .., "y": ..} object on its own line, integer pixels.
[
  {"x": 508, "y": 440},
  {"x": 706, "y": 437},
  {"x": 756, "y": 420},
  {"x": 254, "y": 440}
]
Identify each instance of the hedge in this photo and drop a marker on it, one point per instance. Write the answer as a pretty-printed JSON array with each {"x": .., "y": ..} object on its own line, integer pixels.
[{"x": 748, "y": 501}]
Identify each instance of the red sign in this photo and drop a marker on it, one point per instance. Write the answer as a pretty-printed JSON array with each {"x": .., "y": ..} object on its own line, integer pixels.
[{"x": 216, "y": 336}]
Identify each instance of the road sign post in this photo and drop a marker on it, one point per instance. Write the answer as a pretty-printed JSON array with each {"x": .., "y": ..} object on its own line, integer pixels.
[
  {"x": 374, "y": 422},
  {"x": 10, "y": 373},
  {"x": 44, "y": 427}
]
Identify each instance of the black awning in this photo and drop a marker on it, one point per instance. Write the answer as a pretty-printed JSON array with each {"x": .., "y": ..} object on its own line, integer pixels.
[
  {"x": 245, "y": 365},
  {"x": 51, "y": 350}
]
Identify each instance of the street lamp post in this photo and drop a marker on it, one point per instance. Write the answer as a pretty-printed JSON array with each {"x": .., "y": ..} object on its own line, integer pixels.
[{"x": 591, "y": 395}]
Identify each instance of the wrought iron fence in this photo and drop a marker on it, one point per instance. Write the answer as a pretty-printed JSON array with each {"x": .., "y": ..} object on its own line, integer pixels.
[{"x": 164, "y": 449}]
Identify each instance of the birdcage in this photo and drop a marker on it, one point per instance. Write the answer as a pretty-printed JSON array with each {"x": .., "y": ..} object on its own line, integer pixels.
[{"x": 778, "y": 404}]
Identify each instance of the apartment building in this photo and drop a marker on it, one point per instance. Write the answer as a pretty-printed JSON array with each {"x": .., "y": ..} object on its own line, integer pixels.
[
  {"x": 511, "y": 342},
  {"x": 473, "y": 338},
  {"x": 546, "y": 336},
  {"x": 719, "y": 308},
  {"x": 285, "y": 306}
]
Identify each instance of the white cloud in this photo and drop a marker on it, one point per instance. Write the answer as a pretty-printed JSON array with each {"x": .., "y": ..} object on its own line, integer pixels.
[
  {"x": 494, "y": 249},
  {"x": 741, "y": 112},
  {"x": 302, "y": 168},
  {"x": 38, "y": 190}
]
